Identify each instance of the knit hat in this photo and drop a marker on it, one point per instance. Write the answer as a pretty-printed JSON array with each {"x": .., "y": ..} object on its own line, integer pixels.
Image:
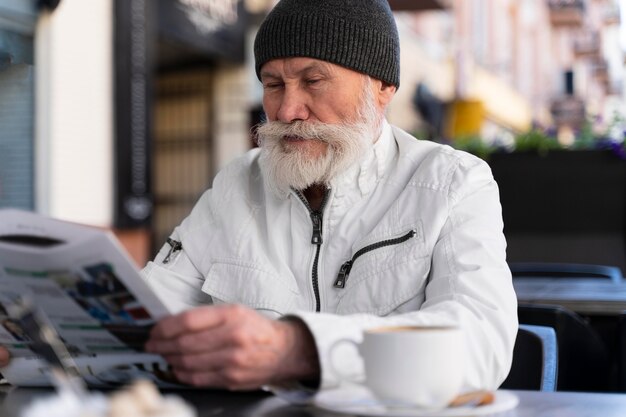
[{"x": 357, "y": 34}]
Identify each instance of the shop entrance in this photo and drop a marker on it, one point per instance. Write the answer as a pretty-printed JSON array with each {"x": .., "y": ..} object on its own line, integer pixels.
[{"x": 182, "y": 152}]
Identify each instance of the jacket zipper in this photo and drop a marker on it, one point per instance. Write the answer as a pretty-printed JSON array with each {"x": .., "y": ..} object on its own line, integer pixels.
[
  {"x": 316, "y": 239},
  {"x": 345, "y": 269},
  {"x": 175, "y": 246}
]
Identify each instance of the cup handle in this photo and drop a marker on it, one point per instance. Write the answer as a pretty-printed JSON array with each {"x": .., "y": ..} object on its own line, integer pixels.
[{"x": 342, "y": 377}]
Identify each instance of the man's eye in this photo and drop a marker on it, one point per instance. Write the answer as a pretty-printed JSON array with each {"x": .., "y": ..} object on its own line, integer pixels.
[
  {"x": 273, "y": 85},
  {"x": 313, "y": 81}
]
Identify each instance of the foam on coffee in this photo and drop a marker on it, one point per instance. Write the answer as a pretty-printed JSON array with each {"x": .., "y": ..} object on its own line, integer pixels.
[{"x": 391, "y": 329}]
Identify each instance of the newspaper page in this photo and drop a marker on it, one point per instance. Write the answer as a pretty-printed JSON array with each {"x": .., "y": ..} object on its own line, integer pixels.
[{"x": 90, "y": 291}]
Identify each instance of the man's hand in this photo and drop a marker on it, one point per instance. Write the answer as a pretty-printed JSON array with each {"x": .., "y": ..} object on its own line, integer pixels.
[
  {"x": 4, "y": 357},
  {"x": 234, "y": 347}
]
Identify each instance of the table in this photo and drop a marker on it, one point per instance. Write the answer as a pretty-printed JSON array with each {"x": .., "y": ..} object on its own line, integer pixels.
[
  {"x": 582, "y": 295},
  {"x": 212, "y": 403}
]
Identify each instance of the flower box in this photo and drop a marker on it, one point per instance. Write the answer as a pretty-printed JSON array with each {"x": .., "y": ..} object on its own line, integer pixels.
[{"x": 565, "y": 206}]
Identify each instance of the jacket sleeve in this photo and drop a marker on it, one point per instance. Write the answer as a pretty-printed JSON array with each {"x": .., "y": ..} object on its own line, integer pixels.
[
  {"x": 469, "y": 286},
  {"x": 172, "y": 275}
]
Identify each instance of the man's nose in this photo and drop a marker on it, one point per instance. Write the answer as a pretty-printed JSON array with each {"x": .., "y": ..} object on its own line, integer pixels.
[{"x": 293, "y": 107}]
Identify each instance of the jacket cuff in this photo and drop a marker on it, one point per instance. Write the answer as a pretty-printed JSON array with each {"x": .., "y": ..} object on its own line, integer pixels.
[{"x": 339, "y": 336}]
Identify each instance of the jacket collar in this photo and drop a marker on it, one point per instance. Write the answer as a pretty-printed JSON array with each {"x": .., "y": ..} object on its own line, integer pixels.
[{"x": 366, "y": 173}]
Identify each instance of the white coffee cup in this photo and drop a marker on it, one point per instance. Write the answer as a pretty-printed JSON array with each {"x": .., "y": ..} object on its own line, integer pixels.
[{"x": 411, "y": 366}]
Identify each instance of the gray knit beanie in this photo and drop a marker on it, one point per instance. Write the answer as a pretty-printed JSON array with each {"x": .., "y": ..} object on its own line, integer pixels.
[{"x": 356, "y": 34}]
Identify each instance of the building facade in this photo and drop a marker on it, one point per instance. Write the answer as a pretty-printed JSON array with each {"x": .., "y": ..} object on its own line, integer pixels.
[
  {"x": 17, "y": 27},
  {"x": 118, "y": 113}
]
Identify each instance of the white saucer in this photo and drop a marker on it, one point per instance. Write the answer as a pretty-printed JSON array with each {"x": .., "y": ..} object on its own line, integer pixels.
[{"x": 358, "y": 400}]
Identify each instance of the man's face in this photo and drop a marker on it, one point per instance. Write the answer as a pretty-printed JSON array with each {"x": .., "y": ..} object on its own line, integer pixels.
[
  {"x": 310, "y": 90},
  {"x": 321, "y": 119}
]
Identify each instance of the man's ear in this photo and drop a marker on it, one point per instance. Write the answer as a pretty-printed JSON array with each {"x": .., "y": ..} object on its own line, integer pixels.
[{"x": 386, "y": 92}]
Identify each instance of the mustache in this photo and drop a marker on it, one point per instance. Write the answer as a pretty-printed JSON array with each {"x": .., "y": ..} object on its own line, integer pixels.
[{"x": 277, "y": 130}]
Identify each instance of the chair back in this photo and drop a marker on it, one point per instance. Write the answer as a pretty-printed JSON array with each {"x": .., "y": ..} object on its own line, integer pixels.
[
  {"x": 564, "y": 270},
  {"x": 535, "y": 359},
  {"x": 583, "y": 359}
]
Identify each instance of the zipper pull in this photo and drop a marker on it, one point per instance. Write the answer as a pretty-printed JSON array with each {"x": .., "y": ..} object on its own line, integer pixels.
[
  {"x": 175, "y": 246},
  {"x": 342, "y": 276},
  {"x": 316, "y": 239}
]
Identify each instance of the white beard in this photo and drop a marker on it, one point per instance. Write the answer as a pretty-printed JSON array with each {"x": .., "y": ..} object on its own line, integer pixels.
[{"x": 348, "y": 143}]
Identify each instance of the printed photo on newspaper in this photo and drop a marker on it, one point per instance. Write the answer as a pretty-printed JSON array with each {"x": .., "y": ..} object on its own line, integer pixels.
[{"x": 90, "y": 291}]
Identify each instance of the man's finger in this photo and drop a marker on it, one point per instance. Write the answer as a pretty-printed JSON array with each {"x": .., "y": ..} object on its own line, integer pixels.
[
  {"x": 194, "y": 320},
  {"x": 226, "y": 358},
  {"x": 199, "y": 362},
  {"x": 5, "y": 357},
  {"x": 189, "y": 343}
]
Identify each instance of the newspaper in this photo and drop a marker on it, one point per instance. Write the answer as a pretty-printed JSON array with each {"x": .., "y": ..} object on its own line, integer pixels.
[{"x": 89, "y": 290}]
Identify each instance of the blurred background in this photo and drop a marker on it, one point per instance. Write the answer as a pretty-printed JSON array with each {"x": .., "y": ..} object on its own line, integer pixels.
[{"x": 118, "y": 113}]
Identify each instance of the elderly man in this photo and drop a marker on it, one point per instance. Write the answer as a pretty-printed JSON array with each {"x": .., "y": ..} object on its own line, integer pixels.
[{"x": 338, "y": 223}]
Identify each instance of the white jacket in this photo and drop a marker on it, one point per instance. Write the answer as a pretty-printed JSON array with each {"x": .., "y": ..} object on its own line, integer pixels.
[{"x": 241, "y": 244}]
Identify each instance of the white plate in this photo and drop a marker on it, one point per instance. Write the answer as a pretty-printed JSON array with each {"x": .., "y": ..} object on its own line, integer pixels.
[{"x": 358, "y": 400}]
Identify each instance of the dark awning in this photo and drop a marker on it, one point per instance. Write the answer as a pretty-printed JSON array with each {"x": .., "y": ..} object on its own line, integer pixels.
[
  {"x": 215, "y": 29},
  {"x": 416, "y": 5}
]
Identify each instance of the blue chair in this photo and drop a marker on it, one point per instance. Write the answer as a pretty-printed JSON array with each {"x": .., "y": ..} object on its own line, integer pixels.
[
  {"x": 564, "y": 270},
  {"x": 535, "y": 360},
  {"x": 583, "y": 357}
]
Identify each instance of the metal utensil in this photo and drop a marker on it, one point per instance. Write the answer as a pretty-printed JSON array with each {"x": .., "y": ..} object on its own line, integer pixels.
[{"x": 47, "y": 343}]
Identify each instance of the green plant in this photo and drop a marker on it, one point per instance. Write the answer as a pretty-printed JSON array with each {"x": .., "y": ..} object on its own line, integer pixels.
[
  {"x": 541, "y": 142},
  {"x": 536, "y": 141},
  {"x": 585, "y": 139}
]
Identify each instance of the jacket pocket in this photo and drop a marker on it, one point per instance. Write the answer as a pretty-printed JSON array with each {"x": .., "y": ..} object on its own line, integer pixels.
[
  {"x": 386, "y": 275},
  {"x": 250, "y": 285}
]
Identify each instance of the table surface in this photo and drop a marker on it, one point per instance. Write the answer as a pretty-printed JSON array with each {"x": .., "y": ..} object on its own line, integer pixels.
[
  {"x": 583, "y": 295},
  {"x": 211, "y": 403}
]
